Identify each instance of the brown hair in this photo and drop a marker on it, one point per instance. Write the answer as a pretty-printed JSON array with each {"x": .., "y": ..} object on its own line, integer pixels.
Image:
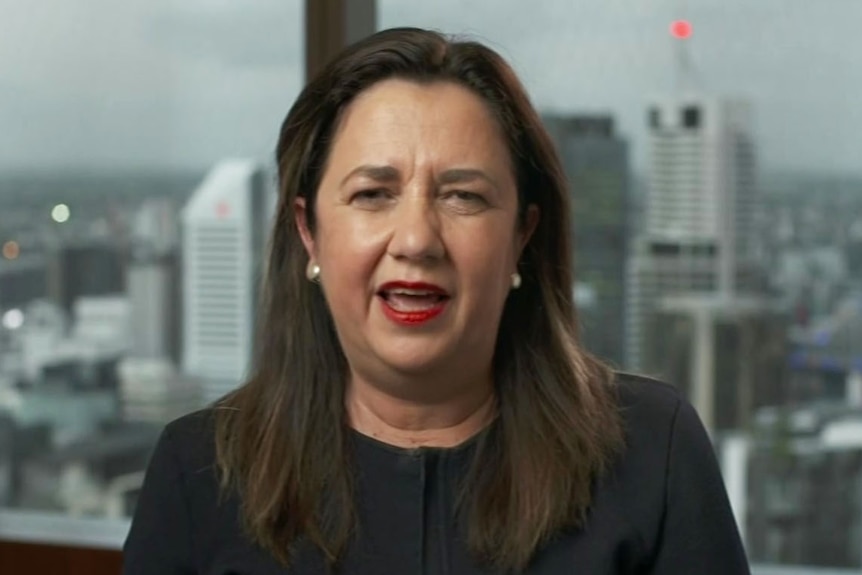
[{"x": 558, "y": 425}]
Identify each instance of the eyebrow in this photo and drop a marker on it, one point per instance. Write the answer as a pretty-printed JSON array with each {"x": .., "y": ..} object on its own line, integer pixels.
[
  {"x": 461, "y": 175},
  {"x": 388, "y": 174},
  {"x": 383, "y": 174}
]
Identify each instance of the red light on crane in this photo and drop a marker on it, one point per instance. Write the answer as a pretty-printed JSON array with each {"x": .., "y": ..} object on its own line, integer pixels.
[{"x": 680, "y": 29}]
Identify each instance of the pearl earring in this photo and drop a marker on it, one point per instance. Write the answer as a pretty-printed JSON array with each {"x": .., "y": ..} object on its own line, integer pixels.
[
  {"x": 516, "y": 280},
  {"x": 313, "y": 273}
]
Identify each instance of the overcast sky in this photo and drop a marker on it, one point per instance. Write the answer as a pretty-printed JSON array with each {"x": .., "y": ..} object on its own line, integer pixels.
[{"x": 183, "y": 83}]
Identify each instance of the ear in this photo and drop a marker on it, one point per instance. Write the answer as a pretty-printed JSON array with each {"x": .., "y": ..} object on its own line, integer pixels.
[
  {"x": 526, "y": 232},
  {"x": 300, "y": 215}
]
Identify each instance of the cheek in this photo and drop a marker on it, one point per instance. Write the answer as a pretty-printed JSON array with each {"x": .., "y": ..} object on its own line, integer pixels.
[
  {"x": 348, "y": 259},
  {"x": 485, "y": 267}
]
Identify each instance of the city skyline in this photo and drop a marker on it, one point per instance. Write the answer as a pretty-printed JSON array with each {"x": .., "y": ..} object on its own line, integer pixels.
[{"x": 156, "y": 84}]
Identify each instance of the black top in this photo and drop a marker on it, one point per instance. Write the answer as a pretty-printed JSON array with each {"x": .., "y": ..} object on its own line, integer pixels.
[{"x": 663, "y": 509}]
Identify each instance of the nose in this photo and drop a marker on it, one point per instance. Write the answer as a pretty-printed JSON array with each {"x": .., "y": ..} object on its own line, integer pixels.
[{"x": 416, "y": 233}]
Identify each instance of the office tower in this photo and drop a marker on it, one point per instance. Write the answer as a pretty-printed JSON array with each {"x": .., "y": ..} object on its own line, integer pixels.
[
  {"x": 701, "y": 190},
  {"x": 699, "y": 212},
  {"x": 155, "y": 305},
  {"x": 22, "y": 280},
  {"x": 224, "y": 228},
  {"x": 596, "y": 163},
  {"x": 154, "y": 282},
  {"x": 86, "y": 268}
]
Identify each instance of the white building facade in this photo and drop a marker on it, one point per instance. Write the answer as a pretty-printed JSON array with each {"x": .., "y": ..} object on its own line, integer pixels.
[
  {"x": 224, "y": 228},
  {"x": 701, "y": 202}
]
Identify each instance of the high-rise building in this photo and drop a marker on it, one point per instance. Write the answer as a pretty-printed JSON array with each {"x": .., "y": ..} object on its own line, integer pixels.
[
  {"x": 87, "y": 268},
  {"x": 700, "y": 209},
  {"x": 596, "y": 163},
  {"x": 154, "y": 296},
  {"x": 224, "y": 227},
  {"x": 154, "y": 282},
  {"x": 702, "y": 186},
  {"x": 23, "y": 280}
]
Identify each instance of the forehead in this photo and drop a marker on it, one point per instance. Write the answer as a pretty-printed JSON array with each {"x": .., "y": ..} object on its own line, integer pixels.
[{"x": 438, "y": 121}]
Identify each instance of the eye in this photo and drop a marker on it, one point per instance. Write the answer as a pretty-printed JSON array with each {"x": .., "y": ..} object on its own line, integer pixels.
[
  {"x": 465, "y": 196},
  {"x": 370, "y": 196},
  {"x": 468, "y": 196},
  {"x": 464, "y": 200}
]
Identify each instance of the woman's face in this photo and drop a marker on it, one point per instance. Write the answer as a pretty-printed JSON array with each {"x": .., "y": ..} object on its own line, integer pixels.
[{"x": 417, "y": 233}]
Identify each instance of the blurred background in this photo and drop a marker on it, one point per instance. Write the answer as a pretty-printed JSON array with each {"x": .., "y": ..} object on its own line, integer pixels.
[{"x": 713, "y": 152}]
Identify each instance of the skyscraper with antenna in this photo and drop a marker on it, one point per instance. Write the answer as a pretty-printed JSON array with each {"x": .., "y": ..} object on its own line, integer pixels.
[{"x": 697, "y": 238}]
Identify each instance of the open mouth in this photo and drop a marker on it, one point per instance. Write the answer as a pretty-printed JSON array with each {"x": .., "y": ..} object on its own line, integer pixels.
[{"x": 404, "y": 300}]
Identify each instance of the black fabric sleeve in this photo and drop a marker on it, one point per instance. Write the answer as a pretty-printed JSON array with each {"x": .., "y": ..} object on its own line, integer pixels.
[
  {"x": 699, "y": 533},
  {"x": 159, "y": 541}
]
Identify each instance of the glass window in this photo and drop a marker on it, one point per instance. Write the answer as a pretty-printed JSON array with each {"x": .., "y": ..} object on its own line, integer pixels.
[
  {"x": 722, "y": 166},
  {"x": 117, "y": 117},
  {"x": 691, "y": 117}
]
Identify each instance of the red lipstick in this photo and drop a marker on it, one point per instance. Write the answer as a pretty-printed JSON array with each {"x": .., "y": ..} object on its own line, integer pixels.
[{"x": 430, "y": 301}]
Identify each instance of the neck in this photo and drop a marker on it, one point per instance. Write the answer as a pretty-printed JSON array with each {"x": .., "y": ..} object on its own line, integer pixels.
[{"x": 405, "y": 423}]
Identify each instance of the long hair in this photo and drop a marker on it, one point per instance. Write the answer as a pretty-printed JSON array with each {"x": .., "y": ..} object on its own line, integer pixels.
[{"x": 282, "y": 439}]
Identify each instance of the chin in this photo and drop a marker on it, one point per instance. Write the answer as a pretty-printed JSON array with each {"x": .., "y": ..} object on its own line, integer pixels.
[
  {"x": 413, "y": 366},
  {"x": 416, "y": 363}
]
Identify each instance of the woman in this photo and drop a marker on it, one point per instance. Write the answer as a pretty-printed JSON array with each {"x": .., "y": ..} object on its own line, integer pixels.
[{"x": 420, "y": 403}]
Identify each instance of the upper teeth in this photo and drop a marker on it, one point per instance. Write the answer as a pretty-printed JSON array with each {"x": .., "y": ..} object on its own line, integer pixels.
[{"x": 412, "y": 292}]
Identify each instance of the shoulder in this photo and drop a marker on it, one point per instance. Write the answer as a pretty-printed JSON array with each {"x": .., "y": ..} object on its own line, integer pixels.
[
  {"x": 656, "y": 415},
  {"x": 646, "y": 402},
  {"x": 668, "y": 483},
  {"x": 190, "y": 441},
  {"x": 656, "y": 418},
  {"x": 661, "y": 422},
  {"x": 181, "y": 518},
  {"x": 194, "y": 428},
  {"x": 648, "y": 410},
  {"x": 664, "y": 437},
  {"x": 634, "y": 488}
]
